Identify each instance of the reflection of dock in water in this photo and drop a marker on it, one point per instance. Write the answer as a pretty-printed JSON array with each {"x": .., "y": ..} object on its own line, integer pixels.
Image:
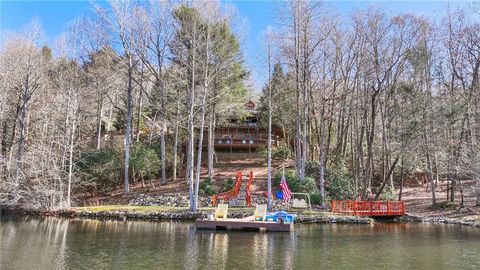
[{"x": 242, "y": 224}]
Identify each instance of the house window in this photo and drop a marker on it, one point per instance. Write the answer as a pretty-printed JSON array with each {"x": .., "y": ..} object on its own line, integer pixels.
[
  {"x": 220, "y": 141},
  {"x": 244, "y": 141},
  {"x": 228, "y": 141},
  {"x": 251, "y": 141}
]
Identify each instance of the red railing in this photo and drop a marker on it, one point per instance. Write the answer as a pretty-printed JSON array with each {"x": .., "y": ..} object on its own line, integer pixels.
[{"x": 369, "y": 208}]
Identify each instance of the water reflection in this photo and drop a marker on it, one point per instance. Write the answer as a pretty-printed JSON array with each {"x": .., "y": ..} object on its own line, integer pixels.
[
  {"x": 53, "y": 243},
  {"x": 62, "y": 228},
  {"x": 219, "y": 242}
]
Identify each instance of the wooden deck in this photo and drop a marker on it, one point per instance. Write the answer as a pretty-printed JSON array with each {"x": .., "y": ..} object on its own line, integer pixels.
[
  {"x": 369, "y": 208},
  {"x": 242, "y": 224}
]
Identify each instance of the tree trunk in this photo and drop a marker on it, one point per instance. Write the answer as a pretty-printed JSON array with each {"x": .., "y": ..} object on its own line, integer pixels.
[
  {"x": 269, "y": 137},
  {"x": 70, "y": 162},
  {"x": 199, "y": 152},
  {"x": 22, "y": 127},
  {"x": 386, "y": 178},
  {"x": 322, "y": 162},
  {"x": 401, "y": 181},
  {"x": 128, "y": 131},
  {"x": 175, "y": 143},
  {"x": 139, "y": 113},
  {"x": 190, "y": 132},
  {"x": 163, "y": 154},
  {"x": 211, "y": 143},
  {"x": 99, "y": 124},
  {"x": 429, "y": 167}
]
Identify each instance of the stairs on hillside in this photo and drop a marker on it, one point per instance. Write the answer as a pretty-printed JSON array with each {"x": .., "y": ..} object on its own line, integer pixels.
[
  {"x": 240, "y": 195},
  {"x": 241, "y": 199}
]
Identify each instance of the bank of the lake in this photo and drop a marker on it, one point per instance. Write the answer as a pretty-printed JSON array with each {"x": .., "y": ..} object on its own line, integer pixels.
[
  {"x": 129, "y": 212},
  {"x": 75, "y": 243}
]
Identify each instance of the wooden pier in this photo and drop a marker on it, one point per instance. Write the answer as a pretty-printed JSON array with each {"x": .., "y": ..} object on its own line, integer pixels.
[
  {"x": 369, "y": 208},
  {"x": 242, "y": 224}
]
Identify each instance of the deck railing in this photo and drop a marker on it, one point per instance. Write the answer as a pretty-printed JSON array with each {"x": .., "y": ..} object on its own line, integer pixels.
[{"x": 369, "y": 208}]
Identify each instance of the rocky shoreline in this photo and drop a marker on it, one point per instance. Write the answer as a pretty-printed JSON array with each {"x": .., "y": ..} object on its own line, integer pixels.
[
  {"x": 437, "y": 220},
  {"x": 186, "y": 215},
  {"x": 191, "y": 216},
  {"x": 181, "y": 200}
]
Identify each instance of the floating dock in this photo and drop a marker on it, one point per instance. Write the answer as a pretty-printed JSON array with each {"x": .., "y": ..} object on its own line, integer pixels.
[{"x": 242, "y": 224}]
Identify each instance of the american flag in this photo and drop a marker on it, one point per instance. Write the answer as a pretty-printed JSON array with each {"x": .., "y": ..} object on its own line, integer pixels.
[{"x": 286, "y": 193}]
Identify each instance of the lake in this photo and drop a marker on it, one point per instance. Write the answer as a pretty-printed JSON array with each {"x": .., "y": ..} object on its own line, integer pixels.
[{"x": 56, "y": 243}]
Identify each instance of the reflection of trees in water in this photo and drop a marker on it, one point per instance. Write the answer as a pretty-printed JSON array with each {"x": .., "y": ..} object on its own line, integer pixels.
[
  {"x": 132, "y": 244},
  {"x": 290, "y": 245},
  {"x": 218, "y": 251},
  {"x": 61, "y": 260},
  {"x": 167, "y": 240},
  {"x": 242, "y": 250},
  {"x": 191, "y": 251},
  {"x": 121, "y": 230},
  {"x": 39, "y": 243},
  {"x": 53, "y": 243},
  {"x": 78, "y": 243},
  {"x": 260, "y": 251}
]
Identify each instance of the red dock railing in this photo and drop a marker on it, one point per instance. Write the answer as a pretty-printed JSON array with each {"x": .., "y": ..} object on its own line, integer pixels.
[{"x": 369, "y": 208}]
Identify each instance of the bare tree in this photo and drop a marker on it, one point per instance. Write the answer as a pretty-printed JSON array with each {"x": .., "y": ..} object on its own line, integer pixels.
[
  {"x": 24, "y": 67},
  {"x": 119, "y": 24},
  {"x": 153, "y": 35}
]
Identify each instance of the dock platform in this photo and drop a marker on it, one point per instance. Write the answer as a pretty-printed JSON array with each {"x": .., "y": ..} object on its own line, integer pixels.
[
  {"x": 242, "y": 224},
  {"x": 369, "y": 208}
]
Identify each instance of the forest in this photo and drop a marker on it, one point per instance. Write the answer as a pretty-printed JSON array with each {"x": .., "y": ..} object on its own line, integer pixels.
[{"x": 133, "y": 93}]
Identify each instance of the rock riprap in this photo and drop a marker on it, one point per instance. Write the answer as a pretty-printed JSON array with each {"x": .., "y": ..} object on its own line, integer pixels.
[
  {"x": 179, "y": 200},
  {"x": 173, "y": 200}
]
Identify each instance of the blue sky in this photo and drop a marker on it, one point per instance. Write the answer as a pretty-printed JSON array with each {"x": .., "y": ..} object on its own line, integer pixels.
[{"x": 54, "y": 16}]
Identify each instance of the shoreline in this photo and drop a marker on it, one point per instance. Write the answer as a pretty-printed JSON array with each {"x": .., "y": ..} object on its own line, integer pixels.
[
  {"x": 437, "y": 220},
  {"x": 183, "y": 214}
]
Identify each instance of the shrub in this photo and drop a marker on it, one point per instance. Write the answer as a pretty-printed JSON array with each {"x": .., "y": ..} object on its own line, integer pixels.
[
  {"x": 388, "y": 194},
  {"x": 281, "y": 152},
  {"x": 262, "y": 150},
  {"x": 228, "y": 185},
  {"x": 341, "y": 189},
  {"x": 99, "y": 170},
  {"x": 291, "y": 178},
  {"x": 341, "y": 183},
  {"x": 316, "y": 198},
  {"x": 169, "y": 160},
  {"x": 144, "y": 161},
  {"x": 307, "y": 186},
  {"x": 312, "y": 169},
  {"x": 205, "y": 187}
]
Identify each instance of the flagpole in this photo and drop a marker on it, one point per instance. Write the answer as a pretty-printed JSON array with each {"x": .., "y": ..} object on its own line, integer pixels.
[{"x": 283, "y": 173}]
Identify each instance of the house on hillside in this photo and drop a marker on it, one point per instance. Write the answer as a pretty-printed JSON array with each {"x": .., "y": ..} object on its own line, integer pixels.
[{"x": 244, "y": 133}]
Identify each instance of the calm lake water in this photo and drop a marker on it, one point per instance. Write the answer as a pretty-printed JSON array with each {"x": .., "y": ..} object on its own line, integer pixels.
[{"x": 53, "y": 243}]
